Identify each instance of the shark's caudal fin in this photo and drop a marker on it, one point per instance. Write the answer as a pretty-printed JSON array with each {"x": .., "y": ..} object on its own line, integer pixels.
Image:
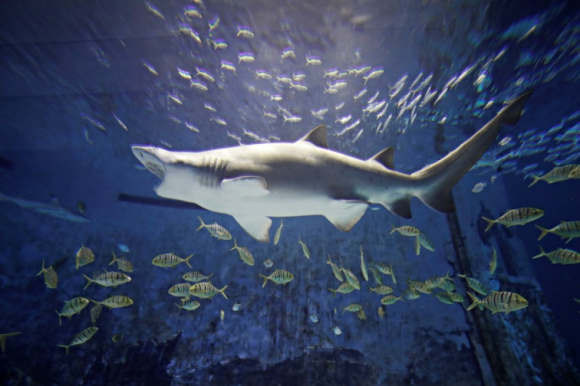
[{"x": 434, "y": 182}]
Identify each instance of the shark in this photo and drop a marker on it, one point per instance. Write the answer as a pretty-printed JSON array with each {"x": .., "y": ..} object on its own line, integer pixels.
[
  {"x": 254, "y": 183},
  {"x": 53, "y": 209}
]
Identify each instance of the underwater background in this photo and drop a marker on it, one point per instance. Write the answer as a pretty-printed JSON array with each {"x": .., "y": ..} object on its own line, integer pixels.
[{"x": 84, "y": 81}]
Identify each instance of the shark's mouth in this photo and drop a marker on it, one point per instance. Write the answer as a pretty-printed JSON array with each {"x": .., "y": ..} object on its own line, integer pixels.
[{"x": 156, "y": 169}]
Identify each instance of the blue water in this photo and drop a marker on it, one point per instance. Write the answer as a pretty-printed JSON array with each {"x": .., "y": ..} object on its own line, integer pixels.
[{"x": 82, "y": 82}]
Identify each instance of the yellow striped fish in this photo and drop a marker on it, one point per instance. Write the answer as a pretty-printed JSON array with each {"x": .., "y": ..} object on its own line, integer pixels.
[
  {"x": 95, "y": 313},
  {"x": 353, "y": 307},
  {"x": 390, "y": 299},
  {"x": 448, "y": 286},
  {"x": 381, "y": 312},
  {"x": 406, "y": 230},
  {"x": 335, "y": 269},
  {"x": 81, "y": 337},
  {"x": 382, "y": 290},
  {"x": 117, "y": 338},
  {"x": 170, "y": 260},
  {"x": 84, "y": 256},
  {"x": 278, "y": 233},
  {"x": 363, "y": 266},
  {"x": 304, "y": 248},
  {"x": 437, "y": 281},
  {"x": 426, "y": 242},
  {"x": 50, "y": 276},
  {"x": 417, "y": 246},
  {"x": 566, "y": 230},
  {"x": 387, "y": 270},
  {"x": 108, "y": 279},
  {"x": 245, "y": 255},
  {"x": 116, "y": 301},
  {"x": 215, "y": 230},
  {"x": 444, "y": 297},
  {"x": 188, "y": 305},
  {"x": 493, "y": 263},
  {"x": 206, "y": 290},
  {"x": 575, "y": 173},
  {"x": 475, "y": 285},
  {"x": 279, "y": 276},
  {"x": 499, "y": 302},
  {"x": 344, "y": 288},
  {"x": 513, "y": 217},
  {"x": 560, "y": 256},
  {"x": 72, "y": 307},
  {"x": 3, "y": 338},
  {"x": 195, "y": 277},
  {"x": 561, "y": 173},
  {"x": 411, "y": 294},
  {"x": 457, "y": 298},
  {"x": 377, "y": 276},
  {"x": 122, "y": 263},
  {"x": 180, "y": 290},
  {"x": 361, "y": 314},
  {"x": 351, "y": 278},
  {"x": 419, "y": 286}
]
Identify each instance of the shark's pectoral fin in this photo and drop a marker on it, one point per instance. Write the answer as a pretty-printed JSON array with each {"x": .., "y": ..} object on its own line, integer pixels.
[
  {"x": 401, "y": 207},
  {"x": 246, "y": 186},
  {"x": 344, "y": 214},
  {"x": 257, "y": 226}
]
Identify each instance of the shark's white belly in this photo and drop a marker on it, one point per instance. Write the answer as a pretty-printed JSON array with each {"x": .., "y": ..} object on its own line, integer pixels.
[{"x": 275, "y": 204}]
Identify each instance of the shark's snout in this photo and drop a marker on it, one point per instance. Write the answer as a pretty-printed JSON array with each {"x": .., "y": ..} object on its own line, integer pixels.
[{"x": 148, "y": 157}]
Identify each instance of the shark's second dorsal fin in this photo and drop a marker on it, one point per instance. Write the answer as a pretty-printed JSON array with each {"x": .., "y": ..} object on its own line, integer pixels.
[
  {"x": 316, "y": 137},
  {"x": 385, "y": 158}
]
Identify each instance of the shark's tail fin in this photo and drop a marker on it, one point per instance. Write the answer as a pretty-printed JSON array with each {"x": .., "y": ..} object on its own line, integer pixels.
[{"x": 434, "y": 182}]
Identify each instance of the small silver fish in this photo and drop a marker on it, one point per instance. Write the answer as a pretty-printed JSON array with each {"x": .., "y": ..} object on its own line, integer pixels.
[{"x": 479, "y": 187}]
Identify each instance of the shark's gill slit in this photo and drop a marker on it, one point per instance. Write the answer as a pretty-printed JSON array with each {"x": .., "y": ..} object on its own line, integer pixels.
[{"x": 156, "y": 169}]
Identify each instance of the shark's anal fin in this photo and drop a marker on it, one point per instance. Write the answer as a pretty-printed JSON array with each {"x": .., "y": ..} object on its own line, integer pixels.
[
  {"x": 257, "y": 226},
  {"x": 344, "y": 214},
  {"x": 317, "y": 137},
  {"x": 246, "y": 186},
  {"x": 401, "y": 207}
]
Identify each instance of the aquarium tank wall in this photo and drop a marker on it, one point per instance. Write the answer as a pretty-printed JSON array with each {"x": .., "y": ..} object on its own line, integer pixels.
[{"x": 289, "y": 192}]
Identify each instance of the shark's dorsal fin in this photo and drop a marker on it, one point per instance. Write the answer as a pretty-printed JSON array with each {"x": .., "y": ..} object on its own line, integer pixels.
[
  {"x": 316, "y": 137},
  {"x": 385, "y": 158}
]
